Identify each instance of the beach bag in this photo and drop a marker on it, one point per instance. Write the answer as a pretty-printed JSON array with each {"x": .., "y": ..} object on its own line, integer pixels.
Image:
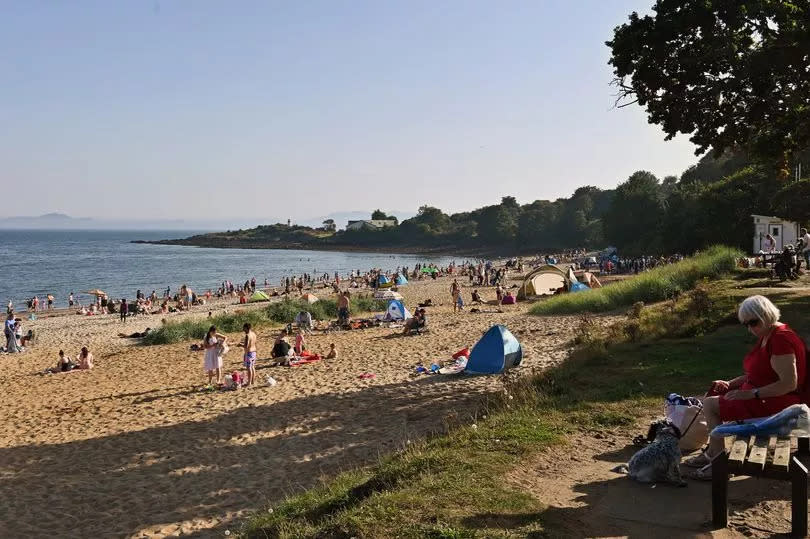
[
  {"x": 223, "y": 348},
  {"x": 686, "y": 413}
]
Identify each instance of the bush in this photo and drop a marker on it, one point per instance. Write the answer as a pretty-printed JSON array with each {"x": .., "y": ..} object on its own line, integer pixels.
[
  {"x": 655, "y": 285},
  {"x": 282, "y": 312}
]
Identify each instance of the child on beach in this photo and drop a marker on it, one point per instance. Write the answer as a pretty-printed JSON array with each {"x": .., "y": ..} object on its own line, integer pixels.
[
  {"x": 214, "y": 345},
  {"x": 300, "y": 343},
  {"x": 332, "y": 352}
]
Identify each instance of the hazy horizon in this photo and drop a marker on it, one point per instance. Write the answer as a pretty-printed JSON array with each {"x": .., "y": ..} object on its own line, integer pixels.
[{"x": 212, "y": 111}]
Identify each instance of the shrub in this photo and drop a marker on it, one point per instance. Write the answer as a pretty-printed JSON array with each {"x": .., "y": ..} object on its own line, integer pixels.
[
  {"x": 655, "y": 285},
  {"x": 282, "y": 312}
]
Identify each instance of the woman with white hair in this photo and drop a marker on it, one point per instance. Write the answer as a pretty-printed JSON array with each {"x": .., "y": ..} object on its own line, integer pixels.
[{"x": 773, "y": 377}]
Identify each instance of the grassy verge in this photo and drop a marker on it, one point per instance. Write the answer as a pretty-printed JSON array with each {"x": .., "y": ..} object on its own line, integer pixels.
[
  {"x": 454, "y": 486},
  {"x": 656, "y": 285},
  {"x": 281, "y": 312}
]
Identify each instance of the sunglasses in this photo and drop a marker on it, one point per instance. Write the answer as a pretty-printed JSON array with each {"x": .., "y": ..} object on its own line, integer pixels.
[{"x": 751, "y": 323}]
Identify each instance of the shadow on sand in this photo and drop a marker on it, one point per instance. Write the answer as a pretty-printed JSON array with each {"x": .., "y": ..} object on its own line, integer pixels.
[{"x": 207, "y": 471}]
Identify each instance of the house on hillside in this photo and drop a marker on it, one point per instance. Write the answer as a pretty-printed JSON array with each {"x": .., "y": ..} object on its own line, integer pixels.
[
  {"x": 783, "y": 231},
  {"x": 373, "y": 224}
]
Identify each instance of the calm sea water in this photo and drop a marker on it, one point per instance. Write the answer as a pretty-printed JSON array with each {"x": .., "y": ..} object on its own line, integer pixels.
[{"x": 38, "y": 262}]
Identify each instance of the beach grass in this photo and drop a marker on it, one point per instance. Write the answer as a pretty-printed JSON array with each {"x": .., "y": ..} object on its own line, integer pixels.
[
  {"x": 658, "y": 284},
  {"x": 456, "y": 484},
  {"x": 280, "y": 312}
]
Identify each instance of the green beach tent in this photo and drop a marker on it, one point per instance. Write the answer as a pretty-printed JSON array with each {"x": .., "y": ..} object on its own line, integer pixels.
[{"x": 258, "y": 295}]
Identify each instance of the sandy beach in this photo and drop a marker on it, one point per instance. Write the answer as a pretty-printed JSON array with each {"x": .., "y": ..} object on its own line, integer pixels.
[{"x": 133, "y": 448}]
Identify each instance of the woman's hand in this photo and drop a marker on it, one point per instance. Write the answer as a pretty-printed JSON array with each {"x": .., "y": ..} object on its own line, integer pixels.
[
  {"x": 739, "y": 395},
  {"x": 720, "y": 386}
]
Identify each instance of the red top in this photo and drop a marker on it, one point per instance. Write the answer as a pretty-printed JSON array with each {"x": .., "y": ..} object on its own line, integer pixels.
[{"x": 757, "y": 364}]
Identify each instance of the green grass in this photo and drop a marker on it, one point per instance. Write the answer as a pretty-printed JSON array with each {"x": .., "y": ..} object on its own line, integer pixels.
[
  {"x": 655, "y": 285},
  {"x": 454, "y": 485},
  {"x": 281, "y": 312}
]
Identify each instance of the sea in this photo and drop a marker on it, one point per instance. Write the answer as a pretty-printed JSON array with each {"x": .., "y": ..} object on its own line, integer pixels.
[{"x": 58, "y": 262}]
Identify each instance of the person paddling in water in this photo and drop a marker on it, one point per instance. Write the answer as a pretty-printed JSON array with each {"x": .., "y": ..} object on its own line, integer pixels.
[{"x": 250, "y": 353}]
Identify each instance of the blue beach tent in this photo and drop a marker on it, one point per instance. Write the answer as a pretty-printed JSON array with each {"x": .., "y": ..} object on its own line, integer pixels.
[
  {"x": 397, "y": 311},
  {"x": 497, "y": 351},
  {"x": 401, "y": 280},
  {"x": 579, "y": 287},
  {"x": 383, "y": 282}
]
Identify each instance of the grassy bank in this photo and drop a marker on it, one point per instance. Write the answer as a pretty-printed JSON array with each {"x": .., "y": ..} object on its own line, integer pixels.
[
  {"x": 281, "y": 312},
  {"x": 656, "y": 285},
  {"x": 454, "y": 486}
]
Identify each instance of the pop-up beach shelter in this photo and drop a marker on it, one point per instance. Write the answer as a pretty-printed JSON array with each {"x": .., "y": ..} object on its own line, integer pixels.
[
  {"x": 309, "y": 298},
  {"x": 258, "y": 295},
  {"x": 401, "y": 280},
  {"x": 383, "y": 282},
  {"x": 545, "y": 280},
  {"x": 397, "y": 311},
  {"x": 497, "y": 351}
]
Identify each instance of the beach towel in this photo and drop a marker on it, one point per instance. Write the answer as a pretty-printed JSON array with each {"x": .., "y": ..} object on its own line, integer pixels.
[
  {"x": 304, "y": 358},
  {"x": 793, "y": 420}
]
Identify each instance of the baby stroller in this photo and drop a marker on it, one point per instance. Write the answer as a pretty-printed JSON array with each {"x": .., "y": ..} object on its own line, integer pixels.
[{"x": 786, "y": 267}]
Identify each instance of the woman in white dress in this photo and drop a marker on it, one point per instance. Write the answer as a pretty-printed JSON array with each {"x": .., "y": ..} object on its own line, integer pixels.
[{"x": 213, "y": 360}]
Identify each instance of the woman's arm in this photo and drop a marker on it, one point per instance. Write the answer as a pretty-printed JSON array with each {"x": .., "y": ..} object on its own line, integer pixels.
[
  {"x": 737, "y": 382},
  {"x": 785, "y": 367}
]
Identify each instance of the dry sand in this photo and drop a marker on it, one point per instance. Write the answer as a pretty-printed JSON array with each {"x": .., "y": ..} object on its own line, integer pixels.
[{"x": 134, "y": 448}]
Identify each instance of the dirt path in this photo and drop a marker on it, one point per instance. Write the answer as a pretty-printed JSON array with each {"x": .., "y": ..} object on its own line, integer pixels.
[{"x": 584, "y": 498}]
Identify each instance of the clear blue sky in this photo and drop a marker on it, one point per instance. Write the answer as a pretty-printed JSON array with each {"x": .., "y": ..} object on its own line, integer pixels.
[{"x": 201, "y": 109}]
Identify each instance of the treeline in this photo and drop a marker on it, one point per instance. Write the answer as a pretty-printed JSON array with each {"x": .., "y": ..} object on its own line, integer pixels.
[{"x": 711, "y": 202}]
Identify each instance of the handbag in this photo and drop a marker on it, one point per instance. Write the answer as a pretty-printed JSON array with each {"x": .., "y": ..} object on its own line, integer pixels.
[
  {"x": 687, "y": 415},
  {"x": 223, "y": 348}
]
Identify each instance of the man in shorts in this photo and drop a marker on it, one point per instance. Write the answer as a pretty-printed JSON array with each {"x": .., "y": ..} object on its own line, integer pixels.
[{"x": 250, "y": 353}]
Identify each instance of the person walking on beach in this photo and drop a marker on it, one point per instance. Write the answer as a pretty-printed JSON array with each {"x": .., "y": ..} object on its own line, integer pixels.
[
  {"x": 124, "y": 309},
  {"x": 455, "y": 292},
  {"x": 250, "y": 353},
  {"x": 213, "y": 358},
  {"x": 70, "y": 299}
]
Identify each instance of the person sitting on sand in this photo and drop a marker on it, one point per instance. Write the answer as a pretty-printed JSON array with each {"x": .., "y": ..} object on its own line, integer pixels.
[
  {"x": 476, "y": 297},
  {"x": 64, "y": 364},
  {"x": 416, "y": 323},
  {"x": 508, "y": 299},
  {"x": 85, "y": 359},
  {"x": 281, "y": 347},
  {"x": 332, "y": 352}
]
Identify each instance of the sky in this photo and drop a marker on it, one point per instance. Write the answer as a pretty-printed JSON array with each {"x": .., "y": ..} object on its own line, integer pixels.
[{"x": 196, "y": 109}]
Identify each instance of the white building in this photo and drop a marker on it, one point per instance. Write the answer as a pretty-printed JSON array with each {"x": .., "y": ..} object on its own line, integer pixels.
[
  {"x": 783, "y": 231},
  {"x": 370, "y": 223}
]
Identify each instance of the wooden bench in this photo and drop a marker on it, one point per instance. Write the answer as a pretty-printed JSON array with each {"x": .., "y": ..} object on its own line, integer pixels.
[{"x": 763, "y": 456}]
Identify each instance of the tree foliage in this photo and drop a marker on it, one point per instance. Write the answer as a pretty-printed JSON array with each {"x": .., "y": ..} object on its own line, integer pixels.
[{"x": 730, "y": 74}]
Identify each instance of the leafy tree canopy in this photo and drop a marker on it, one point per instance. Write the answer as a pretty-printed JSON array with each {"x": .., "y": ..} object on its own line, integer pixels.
[{"x": 732, "y": 74}]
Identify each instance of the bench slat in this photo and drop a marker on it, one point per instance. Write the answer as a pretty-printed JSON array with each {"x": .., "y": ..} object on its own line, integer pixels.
[
  {"x": 781, "y": 454},
  {"x": 739, "y": 448},
  {"x": 759, "y": 453}
]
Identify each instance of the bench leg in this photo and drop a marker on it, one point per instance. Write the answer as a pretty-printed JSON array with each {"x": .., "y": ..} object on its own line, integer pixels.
[
  {"x": 798, "y": 481},
  {"x": 720, "y": 491}
]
